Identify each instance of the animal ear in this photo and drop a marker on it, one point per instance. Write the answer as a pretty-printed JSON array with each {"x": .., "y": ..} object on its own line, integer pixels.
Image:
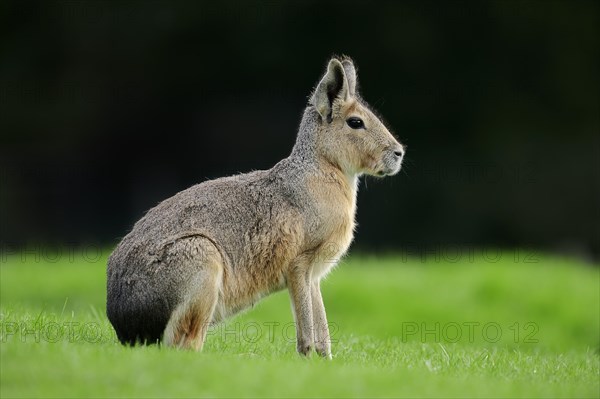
[
  {"x": 332, "y": 86},
  {"x": 350, "y": 75}
]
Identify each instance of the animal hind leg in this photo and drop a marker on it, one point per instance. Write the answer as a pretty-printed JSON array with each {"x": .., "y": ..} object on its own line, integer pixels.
[{"x": 203, "y": 266}]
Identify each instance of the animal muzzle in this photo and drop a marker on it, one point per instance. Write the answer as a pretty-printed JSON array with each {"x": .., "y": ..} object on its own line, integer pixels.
[{"x": 392, "y": 161}]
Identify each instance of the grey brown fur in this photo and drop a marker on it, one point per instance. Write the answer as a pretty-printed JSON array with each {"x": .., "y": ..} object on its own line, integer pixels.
[{"x": 220, "y": 246}]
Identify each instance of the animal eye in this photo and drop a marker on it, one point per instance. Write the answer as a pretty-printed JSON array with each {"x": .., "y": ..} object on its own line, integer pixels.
[{"x": 355, "y": 123}]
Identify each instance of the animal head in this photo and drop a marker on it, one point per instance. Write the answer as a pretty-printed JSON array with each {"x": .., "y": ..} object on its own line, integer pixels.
[{"x": 350, "y": 136}]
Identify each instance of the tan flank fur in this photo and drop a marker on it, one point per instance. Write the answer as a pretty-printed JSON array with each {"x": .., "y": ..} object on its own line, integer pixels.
[{"x": 220, "y": 246}]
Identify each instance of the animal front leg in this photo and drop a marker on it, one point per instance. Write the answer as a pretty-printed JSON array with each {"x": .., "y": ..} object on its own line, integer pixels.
[
  {"x": 300, "y": 294},
  {"x": 322, "y": 339}
]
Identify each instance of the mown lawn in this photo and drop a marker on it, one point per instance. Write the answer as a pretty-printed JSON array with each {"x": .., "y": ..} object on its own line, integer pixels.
[{"x": 484, "y": 324}]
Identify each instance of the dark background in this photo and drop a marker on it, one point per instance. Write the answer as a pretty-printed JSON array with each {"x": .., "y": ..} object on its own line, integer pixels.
[{"x": 108, "y": 107}]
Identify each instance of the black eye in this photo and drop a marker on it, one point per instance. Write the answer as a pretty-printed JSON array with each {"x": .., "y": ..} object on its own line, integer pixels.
[{"x": 355, "y": 123}]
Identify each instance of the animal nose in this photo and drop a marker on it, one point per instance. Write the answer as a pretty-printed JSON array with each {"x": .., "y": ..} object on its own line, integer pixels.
[{"x": 399, "y": 153}]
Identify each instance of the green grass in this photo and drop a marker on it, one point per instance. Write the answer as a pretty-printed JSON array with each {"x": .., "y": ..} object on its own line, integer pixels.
[{"x": 401, "y": 328}]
